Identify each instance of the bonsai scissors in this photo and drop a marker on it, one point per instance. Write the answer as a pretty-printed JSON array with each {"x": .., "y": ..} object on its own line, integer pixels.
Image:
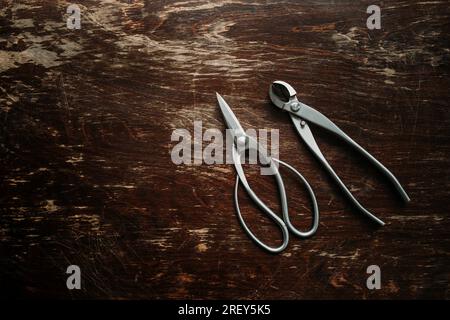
[
  {"x": 285, "y": 97},
  {"x": 243, "y": 142}
]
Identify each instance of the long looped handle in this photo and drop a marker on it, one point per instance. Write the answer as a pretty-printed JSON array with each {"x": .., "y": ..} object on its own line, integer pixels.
[
  {"x": 285, "y": 223},
  {"x": 315, "y": 212},
  {"x": 251, "y": 144},
  {"x": 269, "y": 212}
]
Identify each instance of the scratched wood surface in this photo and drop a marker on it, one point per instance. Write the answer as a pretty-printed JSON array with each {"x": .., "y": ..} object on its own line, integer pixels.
[{"x": 86, "y": 118}]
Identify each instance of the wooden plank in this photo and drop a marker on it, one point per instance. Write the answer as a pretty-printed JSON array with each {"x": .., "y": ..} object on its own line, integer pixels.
[{"x": 86, "y": 119}]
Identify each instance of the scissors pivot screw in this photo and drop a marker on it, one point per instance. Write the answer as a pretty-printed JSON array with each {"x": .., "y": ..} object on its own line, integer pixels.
[
  {"x": 241, "y": 142},
  {"x": 295, "y": 106}
]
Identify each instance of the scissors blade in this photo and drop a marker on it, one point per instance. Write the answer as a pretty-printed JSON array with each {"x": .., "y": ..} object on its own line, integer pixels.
[{"x": 230, "y": 119}]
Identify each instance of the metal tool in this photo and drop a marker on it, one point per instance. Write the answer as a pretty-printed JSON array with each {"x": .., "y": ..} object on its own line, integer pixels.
[
  {"x": 285, "y": 97},
  {"x": 243, "y": 142}
]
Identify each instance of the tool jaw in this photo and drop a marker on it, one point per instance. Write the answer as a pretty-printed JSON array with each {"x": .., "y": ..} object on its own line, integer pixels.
[{"x": 284, "y": 96}]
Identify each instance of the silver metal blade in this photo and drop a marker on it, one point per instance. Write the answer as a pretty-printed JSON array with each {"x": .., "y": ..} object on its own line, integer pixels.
[{"x": 230, "y": 119}]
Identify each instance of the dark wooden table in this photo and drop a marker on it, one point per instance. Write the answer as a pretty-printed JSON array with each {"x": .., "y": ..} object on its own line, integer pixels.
[{"x": 86, "y": 118}]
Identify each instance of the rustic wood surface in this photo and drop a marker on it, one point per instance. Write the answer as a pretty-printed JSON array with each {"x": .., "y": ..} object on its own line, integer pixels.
[{"x": 86, "y": 118}]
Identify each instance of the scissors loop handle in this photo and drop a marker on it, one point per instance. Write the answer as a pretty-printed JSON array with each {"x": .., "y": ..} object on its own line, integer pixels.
[
  {"x": 315, "y": 213},
  {"x": 285, "y": 223},
  {"x": 237, "y": 153}
]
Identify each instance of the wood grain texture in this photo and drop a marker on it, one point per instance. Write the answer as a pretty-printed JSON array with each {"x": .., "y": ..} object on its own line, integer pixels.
[{"x": 86, "y": 118}]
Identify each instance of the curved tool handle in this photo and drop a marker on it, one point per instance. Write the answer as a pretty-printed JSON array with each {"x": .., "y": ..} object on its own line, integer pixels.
[
  {"x": 284, "y": 96},
  {"x": 314, "y": 116},
  {"x": 315, "y": 213},
  {"x": 241, "y": 177},
  {"x": 304, "y": 131}
]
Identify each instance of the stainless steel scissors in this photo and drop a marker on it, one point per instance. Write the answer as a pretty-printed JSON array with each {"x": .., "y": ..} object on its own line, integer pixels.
[
  {"x": 243, "y": 142},
  {"x": 285, "y": 97}
]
